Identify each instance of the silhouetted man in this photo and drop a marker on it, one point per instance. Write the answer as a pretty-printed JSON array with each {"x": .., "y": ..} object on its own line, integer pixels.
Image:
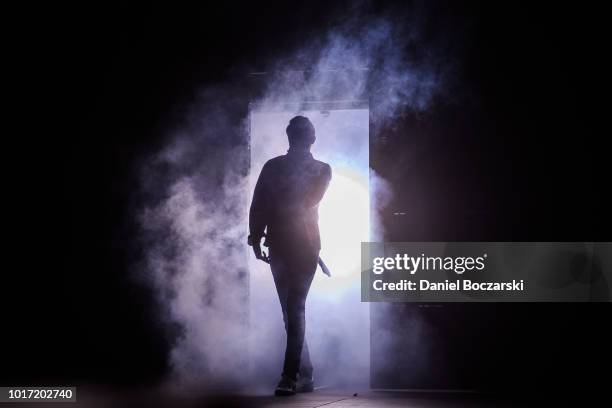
[{"x": 285, "y": 211}]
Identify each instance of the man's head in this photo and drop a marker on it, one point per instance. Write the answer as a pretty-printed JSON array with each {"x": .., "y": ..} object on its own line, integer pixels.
[{"x": 301, "y": 133}]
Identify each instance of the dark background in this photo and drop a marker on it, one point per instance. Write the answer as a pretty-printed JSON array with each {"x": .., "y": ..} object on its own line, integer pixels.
[{"x": 511, "y": 153}]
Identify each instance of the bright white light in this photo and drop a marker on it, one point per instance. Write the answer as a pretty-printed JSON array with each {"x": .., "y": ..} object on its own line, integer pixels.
[{"x": 344, "y": 224}]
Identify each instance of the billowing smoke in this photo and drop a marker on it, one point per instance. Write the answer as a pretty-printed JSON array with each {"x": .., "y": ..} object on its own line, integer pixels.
[
  {"x": 193, "y": 228},
  {"x": 196, "y": 192},
  {"x": 382, "y": 59}
]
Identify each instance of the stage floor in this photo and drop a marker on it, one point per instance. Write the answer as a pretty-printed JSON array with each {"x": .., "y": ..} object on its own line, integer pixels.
[{"x": 87, "y": 397}]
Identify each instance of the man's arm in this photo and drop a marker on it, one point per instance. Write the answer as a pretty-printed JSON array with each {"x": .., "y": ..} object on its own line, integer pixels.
[
  {"x": 315, "y": 195},
  {"x": 258, "y": 213}
]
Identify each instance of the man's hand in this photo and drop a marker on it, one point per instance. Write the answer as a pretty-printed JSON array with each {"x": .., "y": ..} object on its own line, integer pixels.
[{"x": 259, "y": 254}]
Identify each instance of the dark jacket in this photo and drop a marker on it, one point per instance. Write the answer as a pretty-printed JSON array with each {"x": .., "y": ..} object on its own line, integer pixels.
[{"x": 286, "y": 200}]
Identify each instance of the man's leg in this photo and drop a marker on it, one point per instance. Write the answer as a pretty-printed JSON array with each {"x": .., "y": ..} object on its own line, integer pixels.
[
  {"x": 306, "y": 369},
  {"x": 293, "y": 274},
  {"x": 296, "y": 324}
]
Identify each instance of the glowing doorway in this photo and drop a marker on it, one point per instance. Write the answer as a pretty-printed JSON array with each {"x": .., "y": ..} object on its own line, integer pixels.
[{"x": 337, "y": 322}]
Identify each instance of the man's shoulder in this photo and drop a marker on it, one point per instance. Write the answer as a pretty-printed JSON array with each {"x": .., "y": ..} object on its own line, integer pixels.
[
  {"x": 275, "y": 161},
  {"x": 282, "y": 161},
  {"x": 322, "y": 164},
  {"x": 322, "y": 167}
]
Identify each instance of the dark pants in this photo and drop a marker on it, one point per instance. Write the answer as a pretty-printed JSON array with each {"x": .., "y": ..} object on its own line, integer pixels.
[{"x": 293, "y": 271}]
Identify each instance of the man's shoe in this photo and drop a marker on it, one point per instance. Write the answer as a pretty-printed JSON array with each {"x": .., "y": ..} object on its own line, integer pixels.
[
  {"x": 285, "y": 387},
  {"x": 305, "y": 384}
]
